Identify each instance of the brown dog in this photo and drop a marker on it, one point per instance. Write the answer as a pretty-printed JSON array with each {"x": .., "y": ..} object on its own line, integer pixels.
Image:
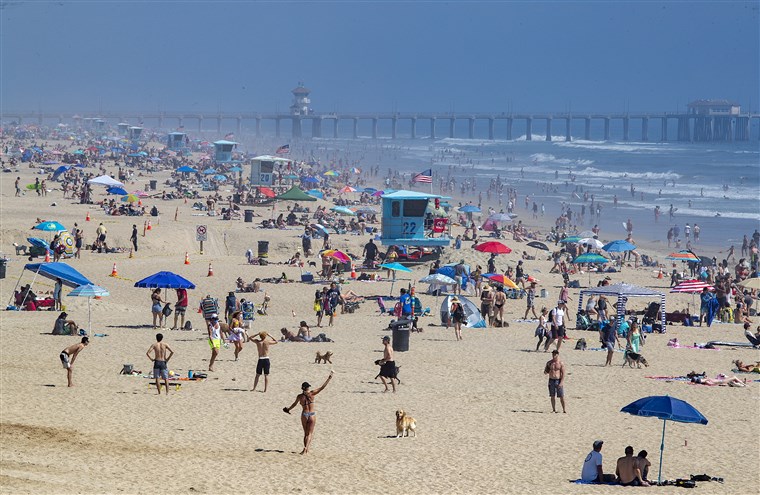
[
  {"x": 323, "y": 358},
  {"x": 405, "y": 424}
]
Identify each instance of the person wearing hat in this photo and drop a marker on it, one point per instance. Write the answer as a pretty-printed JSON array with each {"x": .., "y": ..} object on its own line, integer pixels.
[
  {"x": 263, "y": 343},
  {"x": 592, "y": 467},
  {"x": 308, "y": 414},
  {"x": 486, "y": 304},
  {"x": 457, "y": 316},
  {"x": 214, "y": 338}
]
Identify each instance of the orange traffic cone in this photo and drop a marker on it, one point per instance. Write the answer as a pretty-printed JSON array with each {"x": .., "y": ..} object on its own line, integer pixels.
[
  {"x": 87, "y": 218},
  {"x": 659, "y": 274},
  {"x": 139, "y": 202},
  {"x": 187, "y": 258},
  {"x": 114, "y": 273},
  {"x": 210, "y": 271},
  {"x": 47, "y": 256},
  {"x": 353, "y": 271},
  {"x": 149, "y": 227}
]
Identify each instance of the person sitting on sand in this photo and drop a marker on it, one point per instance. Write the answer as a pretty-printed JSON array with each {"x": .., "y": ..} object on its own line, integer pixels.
[
  {"x": 288, "y": 336},
  {"x": 747, "y": 368},
  {"x": 628, "y": 471},
  {"x": 62, "y": 326},
  {"x": 304, "y": 332}
]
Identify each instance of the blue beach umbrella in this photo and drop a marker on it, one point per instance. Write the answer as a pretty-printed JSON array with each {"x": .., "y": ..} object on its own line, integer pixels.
[
  {"x": 665, "y": 408},
  {"x": 236, "y": 169},
  {"x": 342, "y": 210},
  {"x": 186, "y": 170},
  {"x": 469, "y": 209},
  {"x": 573, "y": 238},
  {"x": 316, "y": 193},
  {"x": 89, "y": 291},
  {"x": 165, "y": 280},
  {"x": 395, "y": 267},
  {"x": 618, "y": 246},
  {"x": 209, "y": 171},
  {"x": 590, "y": 258},
  {"x": 310, "y": 180},
  {"x": 49, "y": 226},
  {"x": 117, "y": 190}
]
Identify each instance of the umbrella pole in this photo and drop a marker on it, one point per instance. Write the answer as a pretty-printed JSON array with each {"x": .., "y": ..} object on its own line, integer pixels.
[
  {"x": 662, "y": 448},
  {"x": 89, "y": 317}
]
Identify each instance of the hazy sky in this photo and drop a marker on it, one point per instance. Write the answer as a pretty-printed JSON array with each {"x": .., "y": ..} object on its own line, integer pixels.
[{"x": 377, "y": 56}]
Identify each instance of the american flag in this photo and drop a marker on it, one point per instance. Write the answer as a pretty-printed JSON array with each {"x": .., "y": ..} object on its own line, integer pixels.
[
  {"x": 231, "y": 135},
  {"x": 424, "y": 176},
  {"x": 283, "y": 150}
]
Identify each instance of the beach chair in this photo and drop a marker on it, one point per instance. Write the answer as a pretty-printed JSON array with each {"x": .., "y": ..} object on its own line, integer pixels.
[{"x": 439, "y": 226}]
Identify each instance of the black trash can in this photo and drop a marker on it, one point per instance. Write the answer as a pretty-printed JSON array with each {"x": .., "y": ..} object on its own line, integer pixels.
[
  {"x": 153, "y": 185},
  {"x": 236, "y": 198},
  {"x": 3, "y": 264},
  {"x": 248, "y": 216},
  {"x": 263, "y": 249},
  {"x": 401, "y": 339}
]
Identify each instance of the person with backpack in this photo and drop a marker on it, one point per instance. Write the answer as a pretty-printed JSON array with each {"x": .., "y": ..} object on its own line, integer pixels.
[{"x": 456, "y": 311}]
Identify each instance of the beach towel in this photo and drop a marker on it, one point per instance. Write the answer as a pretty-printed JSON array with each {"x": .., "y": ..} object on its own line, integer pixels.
[{"x": 713, "y": 307}]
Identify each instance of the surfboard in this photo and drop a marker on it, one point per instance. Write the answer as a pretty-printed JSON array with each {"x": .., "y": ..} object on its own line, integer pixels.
[{"x": 625, "y": 226}]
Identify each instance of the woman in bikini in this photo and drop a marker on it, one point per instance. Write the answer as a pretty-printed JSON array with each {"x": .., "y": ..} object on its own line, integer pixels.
[{"x": 308, "y": 415}]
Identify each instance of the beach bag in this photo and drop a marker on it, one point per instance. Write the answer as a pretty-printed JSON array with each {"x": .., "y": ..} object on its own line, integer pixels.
[
  {"x": 458, "y": 312},
  {"x": 167, "y": 309}
]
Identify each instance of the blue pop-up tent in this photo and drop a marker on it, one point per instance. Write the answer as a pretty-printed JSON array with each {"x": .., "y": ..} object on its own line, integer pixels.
[{"x": 69, "y": 276}]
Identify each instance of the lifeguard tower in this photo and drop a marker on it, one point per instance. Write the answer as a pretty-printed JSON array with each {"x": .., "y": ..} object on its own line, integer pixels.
[
  {"x": 122, "y": 128},
  {"x": 301, "y": 101},
  {"x": 176, "y": 141},
  {"x": 99, "y": 124},
  {"x": 263, "y": 168},
  {"x": 223, "y": 151},
  {"x": 405, "y": 214},
  {"x": 134, "y": 133}
]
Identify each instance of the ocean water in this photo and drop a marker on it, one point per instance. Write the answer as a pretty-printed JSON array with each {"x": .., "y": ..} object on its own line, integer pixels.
[{"x": 716, "y": 185}]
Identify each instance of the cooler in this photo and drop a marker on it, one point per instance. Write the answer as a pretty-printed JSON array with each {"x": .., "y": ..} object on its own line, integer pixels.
[{"x": 263, "y": 249}]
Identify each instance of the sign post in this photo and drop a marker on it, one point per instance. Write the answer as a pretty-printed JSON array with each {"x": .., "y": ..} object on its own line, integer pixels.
[{"x": 201, "y": 234}]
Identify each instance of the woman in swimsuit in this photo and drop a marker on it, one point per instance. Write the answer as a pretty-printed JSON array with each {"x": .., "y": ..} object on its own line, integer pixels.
[
  {"x": 237, "y": 332},
  {"x": 156, "y": 308},
  {"x": 308, "y": 414}
]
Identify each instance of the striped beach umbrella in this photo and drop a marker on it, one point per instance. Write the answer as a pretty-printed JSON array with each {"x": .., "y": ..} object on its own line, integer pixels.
[
  {"x": 692, "y": 286},
  {"x": 683, "y": 255}
]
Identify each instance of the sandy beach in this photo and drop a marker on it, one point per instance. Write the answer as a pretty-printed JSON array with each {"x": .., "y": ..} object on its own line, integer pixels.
[{"x": 484, "y": 419}]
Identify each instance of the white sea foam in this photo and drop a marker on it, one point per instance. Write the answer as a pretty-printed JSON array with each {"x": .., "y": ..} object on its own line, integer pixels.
[{"x": 595, "y": 172}]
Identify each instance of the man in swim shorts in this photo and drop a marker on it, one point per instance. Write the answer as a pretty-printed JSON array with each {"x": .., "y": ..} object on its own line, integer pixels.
[
  {"x": 556, "y": 371},
  {"x": 162, "y": 353},
  {"x": 69, "y": 355},
  {"x": 262, "y": 365},
  {"x": 214, "y": 338},
  {"x": 388, "y": 365}
]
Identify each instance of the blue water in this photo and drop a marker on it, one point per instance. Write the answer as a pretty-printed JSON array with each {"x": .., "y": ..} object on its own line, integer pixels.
[{"x": 717, "y": 178}]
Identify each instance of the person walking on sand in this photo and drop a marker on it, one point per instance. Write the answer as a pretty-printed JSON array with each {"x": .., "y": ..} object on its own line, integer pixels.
[
  {"x": 69, "y": 355},
  {"x": 180, "y": 308},
  {"x": 609, "y": 338},
  {"x": 556, "y": 371},
  {"x": 307, "y": 400},
  {"x": 457, "y": 316},
  {"x": 531, "y": 301},
  {"x": 214, "y": 338},
  {"x": 262, "y": 365},
  {"x": 133, "y": 237},
  {"x": 388, "y": 365},
  {"x": 162, "y": 353}
]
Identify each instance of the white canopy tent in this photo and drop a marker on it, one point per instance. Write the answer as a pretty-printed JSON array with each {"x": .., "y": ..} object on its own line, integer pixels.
[
  {"x": 105, "y": 180},
  {"x": 624, "y": 291}
]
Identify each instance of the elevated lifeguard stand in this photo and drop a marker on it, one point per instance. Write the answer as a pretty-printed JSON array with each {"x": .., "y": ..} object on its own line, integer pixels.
[
  {"x": 134, "y": 133},
  {"x": 99, "y": 124},
  {"x": 404, "y": 215},
  {"x": 263, "y": 169},
  {"x": 176, "y": 141},
  {"x": 123, "y": 128},
  {"x": 223, "y": 151}
]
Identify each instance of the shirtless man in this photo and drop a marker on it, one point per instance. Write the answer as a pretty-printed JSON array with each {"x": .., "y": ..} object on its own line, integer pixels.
[
  {"x": 262, "y": 366},
  {"x": 388, "y": 365},
  {"x": 162, "y": 353},
  {"x": 628, "y": 471},
  {"x": 308, "y": 414},
  {"x": 556, "y": 371},
  {"x": 69, "y": 355}
]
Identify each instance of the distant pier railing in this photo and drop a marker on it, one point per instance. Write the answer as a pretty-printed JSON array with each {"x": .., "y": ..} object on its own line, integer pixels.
[{"x": 688, "y": 127}]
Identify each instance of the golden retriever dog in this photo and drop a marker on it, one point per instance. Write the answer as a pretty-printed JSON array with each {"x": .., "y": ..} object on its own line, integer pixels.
[
  {"x": 405, "y": 424},
  {"x": 323, "y": 358}
]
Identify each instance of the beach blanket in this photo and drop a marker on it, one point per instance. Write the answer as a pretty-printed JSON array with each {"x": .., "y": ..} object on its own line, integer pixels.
[{"x": 670, "y": 378}]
